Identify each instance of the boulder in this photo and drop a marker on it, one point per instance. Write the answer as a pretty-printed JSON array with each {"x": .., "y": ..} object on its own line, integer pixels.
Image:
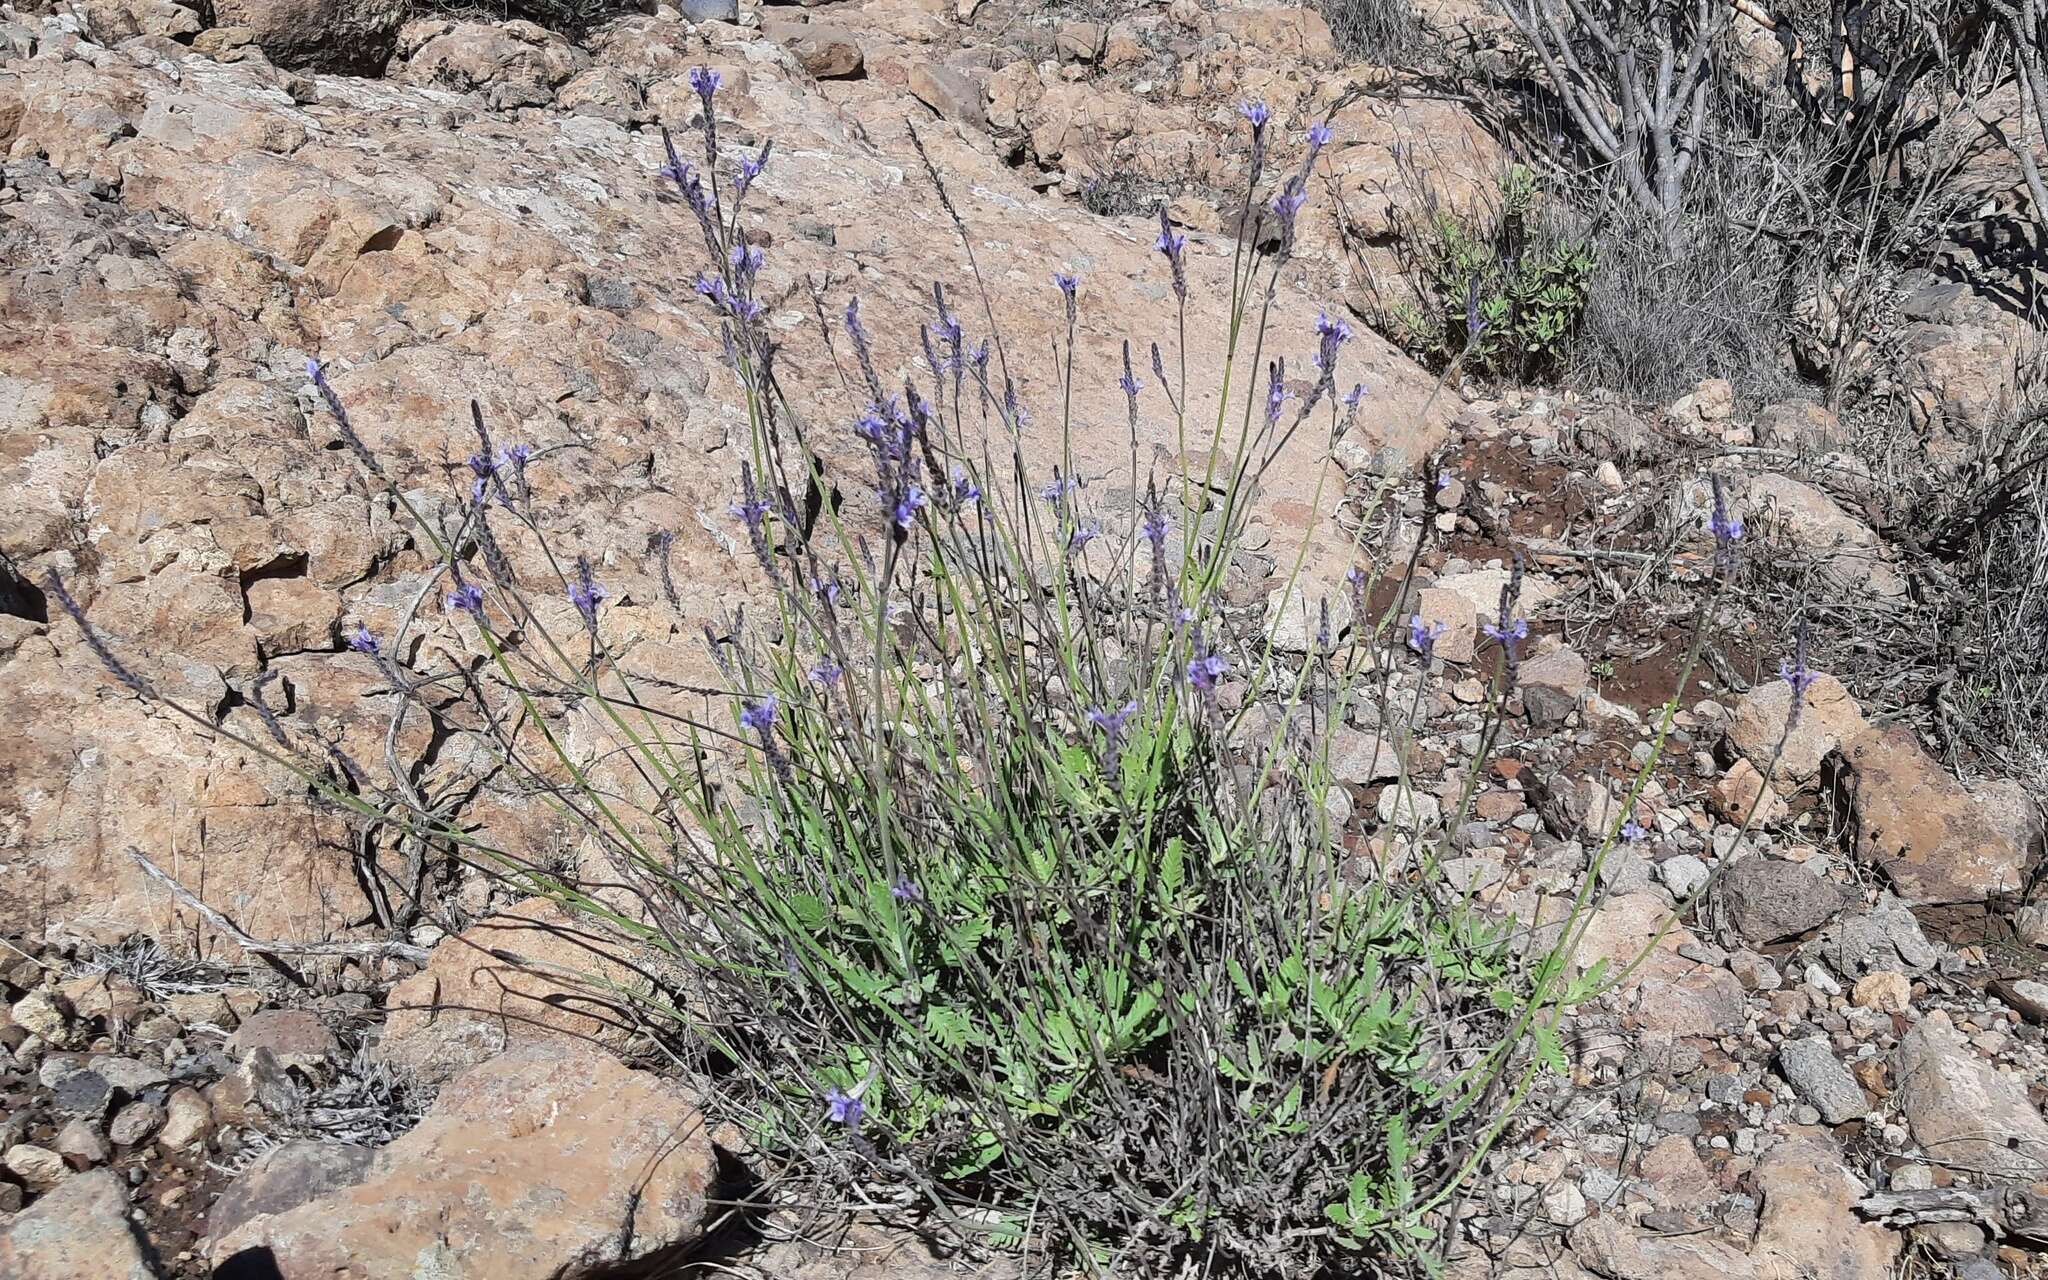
[
  {"x": 79, "y": 1229},
  {"x": 551, "y": 1159},
  {"x": 1852, "y": 557},
  {"x": 1770, "y": 899},
  {"x": 1963, "y": 1111},
  {"x": 1936, "y": 840},
  {"x": 323, "y": 35},
  {"x": 1828, "y": 718},
  {"x": 1668, "y": 992},
  {"x": 826, "y": 51},
  {"x": 285, "y": 1177},
  {"x": 528, "y": 974}
]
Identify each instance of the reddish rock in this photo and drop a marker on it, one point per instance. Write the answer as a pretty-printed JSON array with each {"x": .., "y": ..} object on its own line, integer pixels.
[
  {"x": 549, "y": 1159},
  {"x": 1936, "y": 840}
]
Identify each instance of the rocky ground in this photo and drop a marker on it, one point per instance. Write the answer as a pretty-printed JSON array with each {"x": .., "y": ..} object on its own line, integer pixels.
[{"x": 1836, "y": 1067}]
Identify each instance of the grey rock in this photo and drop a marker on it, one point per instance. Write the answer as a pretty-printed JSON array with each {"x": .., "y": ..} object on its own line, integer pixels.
[
  {"x": 1961, "y": 1109},
  {"x": 1683, "y": 875},
  {"x": 133, "y": 1123},
  {"x": 296, "y": 1038},
  {"x": 129, "y": 1076},
  {"x": 85, "y": 1094},
  {"x": 78, "y": 1229},
  {"x": 709, "y": 10},
  {"x": 1886, "y": 936},
  {"x": 1770, "y": 900},
  {"x": 286, "y": 1177},
  {"x": 1811, "y": 1067}
]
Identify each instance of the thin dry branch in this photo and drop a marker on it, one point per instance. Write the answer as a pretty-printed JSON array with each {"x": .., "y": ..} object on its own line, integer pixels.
[{"x": 273, "y": 948}]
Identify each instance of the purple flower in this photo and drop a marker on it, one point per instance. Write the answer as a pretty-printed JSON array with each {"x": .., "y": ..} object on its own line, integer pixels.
[
  {"x": 1129, "y": 382},
  {"x": 1082, "y": 535},
  {"x": 825, "y": 672},
  {"x": 1276, "y": 390},
  {"x": 965, "y": 491},
  {"x": 1319, "y": 135},
  {"x": 1067, "y": 283},
  {"x": 753, "y": 509},
  {"x": 759, "y": 715},
  {"x": 1287, "y": 205},
  {"x": 586, "y": 592},
  {"x": 468, "y": 597},
  {"x": 746, "y": 259},
  {"x": 908, "y": 505},
  {"x": 1634, "y": 832},
  {"x": 1175, "y": 246},
  {"x": 1205, "y": 669},
  {"x": 1422, "y": 636},
  {"x": 1112, "y": 722},
  {"x": 1726, "y": 528},
  {"x": 1153, "y": 525},
  {"x": 1060, "y": 488},
  {"x": 826, "y": 589},
  {"x": 1333, "y": 334},
  {"x": 1796, "y": 673},
  {"x": 1509, "y": 633},
  {"x": 363, "y": 640},
  {"x": 1256, "y": 112},
  {"x": 844, "y": 1108},
  {"x": 705, "y": 80},
  {"x": 906, "y": 890},
  {"x": 1353, "y": 396}
]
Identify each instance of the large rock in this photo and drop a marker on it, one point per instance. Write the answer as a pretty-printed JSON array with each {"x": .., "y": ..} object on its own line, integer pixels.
[
  {"x": 1828, "y": 718},
  {"x": 1963, "y": 1111},
  {"x": 526, "y": 975},
  {"x": 80, "y": 1229},
  {"x": 1770, "y": 899},
  {"x": 329, "y": 35},
  {"x": 285, "y": 1177},
  {"x": 1935, "y": 839},
  {"x": 1809, "y": 1226},
  {"x": 1669, "y": 992},
  {"x": 1852, "y": 557},
  {"x": 550, "y": 1160}
]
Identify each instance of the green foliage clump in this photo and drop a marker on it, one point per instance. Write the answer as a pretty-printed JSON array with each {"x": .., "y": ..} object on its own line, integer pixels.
[{"x": 1526, "y": 289}]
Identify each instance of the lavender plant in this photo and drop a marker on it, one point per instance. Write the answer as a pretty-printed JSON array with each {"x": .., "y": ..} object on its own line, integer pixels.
[{"x": 1006, "y": 884}]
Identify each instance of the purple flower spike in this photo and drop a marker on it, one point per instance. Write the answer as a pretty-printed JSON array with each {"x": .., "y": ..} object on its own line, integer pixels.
[
  {"x": 965, "y": 491},
  {"x": 844, "y": 1108},
  {"x": 1319, "y": 135},
  {"x": 1333, "y": 334},
  {"x": 705, "y": 80},
  {"x": 1509, "y": 633},
  {"x": 1078, "y": 540},
  {"x": 586, "y": 592},
  {"x": 1287, "y": 206},
  {"x": 1634, "y": 832},
  {"x": 1067, "y": 283},
  {"x": 1796, "y": 673},
  {"x": 1475, "y": 323},
  {"x": 759, "y": 715},
  {"x": 825, "y": 672},
  {"x": 469, "y": 598},
  {"x": 1175, "y": 246},
  {"x": 1353, "y": 396},
  {"x": 906, "y": 890},
  {"x": 1205, "y": 670},
  {"x": 1422, "y": 636},
  {"x": 1112, "y": 722},
  {"x": 908, "y": 505},
  {"x": 1256, "y": 112},
  {"x": 363, "y": 640},
  {"x": 1726, "y": 528}
]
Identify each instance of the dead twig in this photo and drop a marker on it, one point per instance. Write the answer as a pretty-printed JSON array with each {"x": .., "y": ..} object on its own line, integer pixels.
[{"x": 272, "y": 951}]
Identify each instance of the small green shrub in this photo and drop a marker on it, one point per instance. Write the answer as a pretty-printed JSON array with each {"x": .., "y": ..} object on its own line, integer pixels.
[{"x": 1495, "y": 291}]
